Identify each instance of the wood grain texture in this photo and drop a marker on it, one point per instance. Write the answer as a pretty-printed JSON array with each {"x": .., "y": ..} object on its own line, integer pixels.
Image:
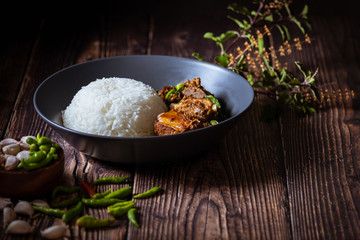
[{"x": 292, "y": 178}]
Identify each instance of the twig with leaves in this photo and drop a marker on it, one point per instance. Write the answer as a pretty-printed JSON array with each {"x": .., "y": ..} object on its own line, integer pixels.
[{"x": 258, "y": 60}]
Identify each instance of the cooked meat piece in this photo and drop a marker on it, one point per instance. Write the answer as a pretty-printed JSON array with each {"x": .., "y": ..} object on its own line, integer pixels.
[
  {"x": 172, "y": 122},
  {"x": 194, "y": 89},
  {"x": 193, "y": 108}
]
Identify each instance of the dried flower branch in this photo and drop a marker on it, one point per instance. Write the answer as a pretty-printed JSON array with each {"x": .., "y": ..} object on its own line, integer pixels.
[{"x": 258, "y": 58}]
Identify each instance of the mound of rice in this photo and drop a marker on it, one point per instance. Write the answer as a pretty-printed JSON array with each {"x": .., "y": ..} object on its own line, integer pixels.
[{"x": 114, "y": 107}]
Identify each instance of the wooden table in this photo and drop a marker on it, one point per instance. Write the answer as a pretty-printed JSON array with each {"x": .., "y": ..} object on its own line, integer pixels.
[{"x": 291, "y": 178}]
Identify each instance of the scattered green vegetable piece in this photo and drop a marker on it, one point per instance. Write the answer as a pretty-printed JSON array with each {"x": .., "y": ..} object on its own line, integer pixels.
[
  {"x": 120, "y": 211},
  {"x": 44, "y": 140},
  {"x": 33, "y": 166},
  {"x": 92, "y": 222},
  {"x": 49, "y": 211},
  {"x": 148, "y": 193},
  {"x": 64, "y": 189},
  {"x": 179, "y": 86},
  {"x": 131, "y": 214},
  {"x": 110, "y": 180},
  {"x": 72, "y": 213},
  {"x": 102, "y": 195},
  {"x": 169, "y": 94},
  {"x": 214, "y": 101},
  {"x": 33, "y": 148},
  {"x": 121, "y": 204},
  {"x": 101, "y": 202},
  {"x": 120, "y": 193},
  {"x": 45, "y": 148},
  {"x": 31, "y": 141},
  {"x": 36, "y": 157},
  {"x": 66, "y": 202},
  {"x": 213, "y": 122}
]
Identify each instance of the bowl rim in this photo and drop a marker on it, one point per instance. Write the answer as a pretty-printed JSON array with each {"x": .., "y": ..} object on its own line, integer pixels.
[{"x": 63, "y": 128}]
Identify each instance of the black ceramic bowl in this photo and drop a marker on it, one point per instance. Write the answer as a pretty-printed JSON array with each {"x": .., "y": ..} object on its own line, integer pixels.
[{"x": 57, "y": 91}]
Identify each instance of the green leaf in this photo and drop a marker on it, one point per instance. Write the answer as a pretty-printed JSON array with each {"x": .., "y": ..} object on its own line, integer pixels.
[
  {"x": 222, "y": 60},
  {"x": 197, "y": 56},
  {"x": 240, "y": 9},
  {"x": 305, "y": 11},
  {"x": 261, "y": 45},
  {"x": 298, "y": 23},
  {"x": 284, "y": 31},
  {"x": 229, "y": 34},
  {"x": 269, "y": 18},
  {"x": 209, "y": 35},
  {"x": 238, "y": 22}
]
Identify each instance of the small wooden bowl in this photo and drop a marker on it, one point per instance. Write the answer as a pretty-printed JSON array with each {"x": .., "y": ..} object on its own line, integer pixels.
[{"x": 30, "y": 184}]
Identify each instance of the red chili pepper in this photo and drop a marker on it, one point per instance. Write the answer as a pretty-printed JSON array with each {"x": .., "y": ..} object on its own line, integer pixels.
[{"x": 88, "y": 189}]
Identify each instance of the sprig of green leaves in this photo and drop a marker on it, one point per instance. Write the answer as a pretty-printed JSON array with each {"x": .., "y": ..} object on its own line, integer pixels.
[{"x": 277, "y": 83}]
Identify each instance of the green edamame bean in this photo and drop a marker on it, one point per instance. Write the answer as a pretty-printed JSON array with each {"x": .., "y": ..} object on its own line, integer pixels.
[
  {"x": 131, "y": 214},
  {"x": 120, "y": 193},
  {"x": 110, "y": 180},
  {"x": 64, "y": 189},
  {"x": 120, "y": 211},
  {"x": 100, "y": 202},
  {"x": 72, "y": 213},
  {"x": 148, "y": 193},
  {"x": 54, "y": 212},
  {"x": 103, "y": 194},
  {"x": 92, "y": 222},
  {"x": 66, "y": 202}
]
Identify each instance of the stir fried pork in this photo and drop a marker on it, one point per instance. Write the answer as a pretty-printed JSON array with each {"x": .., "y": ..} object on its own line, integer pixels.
[{"x": 190, "y": 108}]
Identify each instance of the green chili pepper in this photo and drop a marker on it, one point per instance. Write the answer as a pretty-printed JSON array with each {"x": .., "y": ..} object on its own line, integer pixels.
[
  {"x": 214, "y": 100},
  {"x": 36, "y": 157},
  {"x": 101, "y": 202},
  {"x": 110, "y": 180},
  {"x": 179, "y": 86},
  {"x": 72, "y": 213},
  {"x": 44, "y": 140},
  {"x": 64, "y": 189},
  {"x": 148, "y": 193},
  {"x": 33, "y": 166},
  {"x": 102, "y": 195},
  {"x": 213, "y": 122},
  {"x": 120, "y": 193},
  {"x": 45, "y": 148},
  {"x": 31, "y": 141},
  {"x": 120, "y": 204},
  {"x": 131, "y": 214},
  {"x": 49, "y": 211},
  {"x": 119, "y": 211},
  {"x": 66, "y": 202},
  {"x": 92, "y": 222},
  {"x": 33, "y": 148},
  {"x": 169, "y": 94}
]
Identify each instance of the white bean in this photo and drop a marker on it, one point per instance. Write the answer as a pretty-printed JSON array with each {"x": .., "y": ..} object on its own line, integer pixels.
[
  {"x": 40, "y": 203},
  {"x": 25, "y": 154},
  {"x": 18, "y": 227},
  {"x": 11, "y": 162},
  {"x": 7, "y": 141},
  {"x": 9, "y": 215},
  {"x": 54, "y": 232},
  {"x": 11, "y": 149},
  {"x": 5, "y": 202},
  {"x": 24, "y": 207}
]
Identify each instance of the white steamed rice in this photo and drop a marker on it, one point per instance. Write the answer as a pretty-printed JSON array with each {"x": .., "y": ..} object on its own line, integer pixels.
[{"x": 114, "y": 107}]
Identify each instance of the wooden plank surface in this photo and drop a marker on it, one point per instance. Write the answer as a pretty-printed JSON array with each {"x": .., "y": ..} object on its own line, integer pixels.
[{"x": 292, "y": 178}]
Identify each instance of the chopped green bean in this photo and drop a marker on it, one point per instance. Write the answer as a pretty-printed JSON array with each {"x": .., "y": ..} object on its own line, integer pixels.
[
  {"x": 103, "y": 194},
  {"x": 148, "y": 193},
  {"x": 131, "y": 214},
  {"x": 49, "y": 211},
  {"x": 101, "y": 202},
  {"x": 120, "y": 211},
  {"x": 64, "y": 189},
  {"x": 72, "y": 213},
  {"x": 66, "y": 202},
  {"x": 120, "y": 193},
  {"x": 110, "y": 180},
  {"x": 92, "y": 222}
]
